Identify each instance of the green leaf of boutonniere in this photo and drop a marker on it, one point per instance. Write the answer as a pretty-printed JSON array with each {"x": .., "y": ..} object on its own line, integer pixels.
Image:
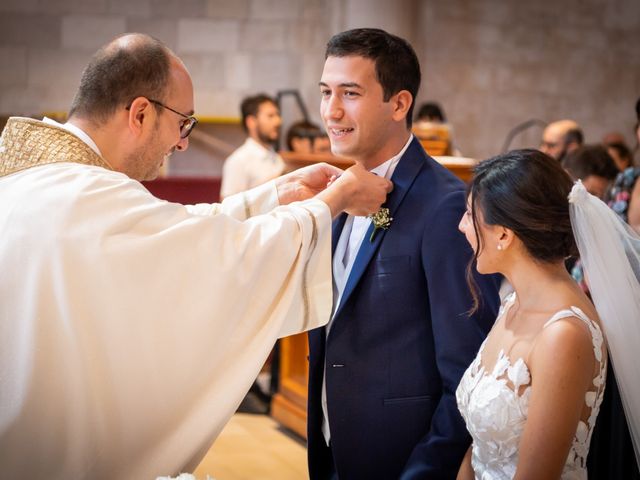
[{"x": 381, "y": 220}]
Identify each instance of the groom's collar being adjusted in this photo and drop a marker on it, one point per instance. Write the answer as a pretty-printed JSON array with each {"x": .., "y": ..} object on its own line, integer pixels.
[{"x": 387, "y": 168}]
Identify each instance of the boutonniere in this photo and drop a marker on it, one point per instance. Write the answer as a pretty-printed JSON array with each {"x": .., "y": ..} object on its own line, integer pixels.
[{"x": 381, "y": 220}]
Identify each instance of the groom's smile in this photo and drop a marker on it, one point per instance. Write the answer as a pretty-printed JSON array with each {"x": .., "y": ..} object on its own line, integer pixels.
[{"x": 354, "y": 112}]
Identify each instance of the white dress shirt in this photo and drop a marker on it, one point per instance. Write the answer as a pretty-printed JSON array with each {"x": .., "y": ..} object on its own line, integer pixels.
[
  {"x": 249, "y": 166},
  {"x": 344, "y": 256}
]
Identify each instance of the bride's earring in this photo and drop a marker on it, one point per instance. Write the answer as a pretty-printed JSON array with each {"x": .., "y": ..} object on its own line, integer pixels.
[{"x": 499, "y": 247}]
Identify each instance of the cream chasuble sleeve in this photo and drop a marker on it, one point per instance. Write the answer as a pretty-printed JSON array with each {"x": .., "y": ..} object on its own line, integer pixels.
[
  {"x": 241, "y": 206},
  {"x": 131, "y": 327}
]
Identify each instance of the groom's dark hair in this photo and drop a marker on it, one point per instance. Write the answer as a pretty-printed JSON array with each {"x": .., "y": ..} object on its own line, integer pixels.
[{"x": 397, "y": 66}]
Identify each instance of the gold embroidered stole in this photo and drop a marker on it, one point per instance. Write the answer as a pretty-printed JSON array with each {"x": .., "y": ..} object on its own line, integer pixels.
[{"x": 27, "y": 143}]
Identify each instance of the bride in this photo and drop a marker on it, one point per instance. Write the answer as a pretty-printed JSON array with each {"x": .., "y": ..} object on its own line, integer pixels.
[{"x": 531, "y": 397}]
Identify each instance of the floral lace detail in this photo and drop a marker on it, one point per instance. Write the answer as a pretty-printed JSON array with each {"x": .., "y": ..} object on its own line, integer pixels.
[{"x": 495, "y": 405}]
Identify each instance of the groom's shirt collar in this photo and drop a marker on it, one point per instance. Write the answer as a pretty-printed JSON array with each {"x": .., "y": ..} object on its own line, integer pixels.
[{"x": 387, "y": 168}]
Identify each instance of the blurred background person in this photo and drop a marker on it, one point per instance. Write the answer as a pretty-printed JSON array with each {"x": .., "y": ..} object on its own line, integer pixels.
[
  {"x": 307, "y": 137},
  {"x": 431, "y": 126},
  {"x": 561, "y": 137},
  {"x": 624, "y": 196},
  {"x": 256, "y": 161},
  {"x": 593, "y": 165},
  {"x": 619, "y": 150},
  {"x": 431, "y": 112}
]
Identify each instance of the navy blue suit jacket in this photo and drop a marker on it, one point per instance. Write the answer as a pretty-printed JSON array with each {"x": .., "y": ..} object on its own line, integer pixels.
[{"x": 401, "y": 338}]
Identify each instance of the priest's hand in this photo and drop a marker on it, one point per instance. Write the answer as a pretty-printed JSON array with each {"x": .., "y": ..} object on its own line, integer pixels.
[
  {"x": 305, "y": 183},
  {"x": 356, "y": 191}
]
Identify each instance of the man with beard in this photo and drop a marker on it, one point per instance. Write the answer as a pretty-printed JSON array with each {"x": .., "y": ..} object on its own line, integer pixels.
[
  {"x": 560, "y": 138},
  {"x": 132, "y": 327},
  {"x": 256, "y": 161}
]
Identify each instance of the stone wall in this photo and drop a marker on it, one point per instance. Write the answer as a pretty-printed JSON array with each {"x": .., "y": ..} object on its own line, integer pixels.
[
  {"x": 496, "y": 63},
  {"x": 491, "y": 63},
  {"x": 232, "y": 48}
]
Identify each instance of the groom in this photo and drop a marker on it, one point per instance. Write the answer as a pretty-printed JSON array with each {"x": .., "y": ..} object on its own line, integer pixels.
[{"x": 383, "y": 373}]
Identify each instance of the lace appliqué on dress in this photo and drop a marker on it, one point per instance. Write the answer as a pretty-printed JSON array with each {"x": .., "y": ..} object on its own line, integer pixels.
[{"x": 495, "y": 405}]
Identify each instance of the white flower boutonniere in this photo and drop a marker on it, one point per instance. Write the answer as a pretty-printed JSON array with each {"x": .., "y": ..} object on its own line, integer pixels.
[{"x": 381, "y": 220}]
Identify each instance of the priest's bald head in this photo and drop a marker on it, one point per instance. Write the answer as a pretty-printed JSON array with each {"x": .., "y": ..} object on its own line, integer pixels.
[{"x": 135, "y": 100}]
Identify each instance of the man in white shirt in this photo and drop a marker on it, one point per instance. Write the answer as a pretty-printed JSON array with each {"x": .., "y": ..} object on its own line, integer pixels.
[
  {"x": 131, "y": 327},
  {"x": 256, "y": 161}
]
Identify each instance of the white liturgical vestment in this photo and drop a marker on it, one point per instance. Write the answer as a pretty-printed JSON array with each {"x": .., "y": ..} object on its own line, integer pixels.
[{"x": 131, "y": 327}]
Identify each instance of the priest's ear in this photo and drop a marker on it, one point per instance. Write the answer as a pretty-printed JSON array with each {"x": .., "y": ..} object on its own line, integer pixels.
[{"x": 141, "y": 111}]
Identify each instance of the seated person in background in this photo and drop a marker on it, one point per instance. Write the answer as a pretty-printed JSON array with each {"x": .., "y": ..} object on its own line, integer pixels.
[
  {"x": 256, "y": 161},
  {"x": 617, "y": 147},
  {"x": 431, "y": 112},
  {"x": 596, "y": 169},
  {"x": 624, "y": 197},
  {"x": 594, "y": 166},
  {"x": 431, "y": 128},
  {"x": 621, "y": 155},
  {"x": 307, "y": 137},
  {"x": 560, "y": 138}
]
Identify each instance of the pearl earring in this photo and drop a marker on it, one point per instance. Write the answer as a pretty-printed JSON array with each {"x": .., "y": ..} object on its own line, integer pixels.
[{"x": 499, "y": 247}]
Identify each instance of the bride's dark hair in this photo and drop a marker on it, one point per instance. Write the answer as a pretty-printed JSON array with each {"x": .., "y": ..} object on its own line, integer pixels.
[{"x": 525, "y": 191}]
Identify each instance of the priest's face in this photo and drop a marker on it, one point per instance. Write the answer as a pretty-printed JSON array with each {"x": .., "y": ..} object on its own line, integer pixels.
[
  {"x": 164, "y": 137},
  {"x": 354, "y": 112},
  {"x": 149, "y": 158}
]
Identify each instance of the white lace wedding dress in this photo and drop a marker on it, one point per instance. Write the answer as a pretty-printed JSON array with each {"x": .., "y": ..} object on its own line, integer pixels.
[{"x": 494, "y": 405}]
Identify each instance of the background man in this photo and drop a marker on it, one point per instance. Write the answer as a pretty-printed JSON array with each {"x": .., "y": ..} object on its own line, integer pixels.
[
  {"x": 383, "y": 373},
  {"x": 256, "y": 161},
  {"x": 593, "y": 165},
  {"x": 131, "y": 327},
  {"x": 307, "y": 137},
  {"x": 560, "y": 138}
]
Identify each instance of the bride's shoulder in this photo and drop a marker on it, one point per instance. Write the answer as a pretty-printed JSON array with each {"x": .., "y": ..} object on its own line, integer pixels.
[
  {"x": 569, "y": 337},
  {"x": 568, "y": 302}
]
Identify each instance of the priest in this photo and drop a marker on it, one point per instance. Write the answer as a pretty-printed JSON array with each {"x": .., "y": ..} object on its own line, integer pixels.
[{"x": 131, "y": 327}]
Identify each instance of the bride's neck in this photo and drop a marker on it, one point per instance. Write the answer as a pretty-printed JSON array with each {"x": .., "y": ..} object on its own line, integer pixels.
[{"x": 534, "y": 281}]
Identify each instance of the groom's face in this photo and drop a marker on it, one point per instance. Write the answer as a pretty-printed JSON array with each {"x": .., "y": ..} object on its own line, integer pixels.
[{"x": 353, "y": 110}]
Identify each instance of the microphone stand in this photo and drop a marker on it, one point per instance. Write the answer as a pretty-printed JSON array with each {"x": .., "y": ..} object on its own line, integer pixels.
[{"x": 521, "y": 127}]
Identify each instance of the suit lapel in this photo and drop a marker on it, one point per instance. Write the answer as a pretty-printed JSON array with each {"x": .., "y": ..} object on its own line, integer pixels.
[
  {"x": 317, "y": 337},
  {"x": 408, "y": 167},
  {"x": 336, "y": 230}
]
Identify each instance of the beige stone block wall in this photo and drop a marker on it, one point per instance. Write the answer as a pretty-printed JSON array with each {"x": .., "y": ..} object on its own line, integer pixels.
[
  {"x": 495, "y": 64},
  {"x": 491, "y": 63}
]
